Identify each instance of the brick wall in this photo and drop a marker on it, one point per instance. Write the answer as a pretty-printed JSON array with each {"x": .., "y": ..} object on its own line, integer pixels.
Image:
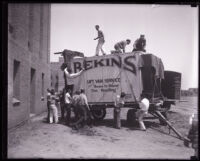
[
  {"x": 26, "y": 24},
  {"x": 56, "y": 71}
]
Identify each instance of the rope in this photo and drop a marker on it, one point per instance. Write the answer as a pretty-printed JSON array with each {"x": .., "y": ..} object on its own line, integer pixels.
[
  {"x": 155, "y": 85},
  {"x": 131, "y": 88}
]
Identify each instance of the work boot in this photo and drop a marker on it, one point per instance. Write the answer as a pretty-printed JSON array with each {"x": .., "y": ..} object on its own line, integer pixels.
[{"x": 142, "y": 126}]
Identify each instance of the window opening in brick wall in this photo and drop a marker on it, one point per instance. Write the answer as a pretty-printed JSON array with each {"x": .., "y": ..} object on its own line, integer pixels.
[
  {"x": 32, "y": 90},
  {"x": 10, "y": 28},
  {"x": 51, "y": 80},
  {"x": 42, "y": 84},
  {"x": 16, "y": 80},
  {"x": 30, "y": 32},
  {"x": 56, "y": 83}
]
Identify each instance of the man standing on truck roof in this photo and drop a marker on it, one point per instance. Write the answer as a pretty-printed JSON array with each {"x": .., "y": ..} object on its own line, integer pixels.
[
  {"x": 120, "y": 46},
  {"x": 101, "y": 41},
  {"x": 140, "y": 44}
]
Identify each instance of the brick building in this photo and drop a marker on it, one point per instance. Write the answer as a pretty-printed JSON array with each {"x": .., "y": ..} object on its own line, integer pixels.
[
  {"x": 28, "y": 60},
  {"x": 57, "y": 79}
]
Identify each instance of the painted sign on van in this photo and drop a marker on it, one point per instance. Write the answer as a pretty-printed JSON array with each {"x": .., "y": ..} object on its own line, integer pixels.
[{"x": 106, "y": 76}]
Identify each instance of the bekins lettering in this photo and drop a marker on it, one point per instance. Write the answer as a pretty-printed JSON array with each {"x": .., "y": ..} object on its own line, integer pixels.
[{"x": 107, "y": 62}]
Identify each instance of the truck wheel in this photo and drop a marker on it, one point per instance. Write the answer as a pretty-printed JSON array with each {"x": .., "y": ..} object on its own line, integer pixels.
[
  {"x": 99, "y": 114},
  {"x": 131, "y": 117}
]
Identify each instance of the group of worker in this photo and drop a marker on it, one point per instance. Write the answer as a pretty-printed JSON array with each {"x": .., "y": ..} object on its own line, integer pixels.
[
  {"x": 78, "y": 103},
  {"x": 139, "y": 44},
  {"x": 67, "y": 102}
]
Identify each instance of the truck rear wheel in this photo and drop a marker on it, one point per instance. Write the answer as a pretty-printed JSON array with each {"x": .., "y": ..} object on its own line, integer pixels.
[
  {"x": 131, "y": 117},
  {"x": 99, "y": 114}
]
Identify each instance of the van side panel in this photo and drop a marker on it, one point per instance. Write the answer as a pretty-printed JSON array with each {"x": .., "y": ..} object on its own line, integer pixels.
[{"x": 107, "y": 76}]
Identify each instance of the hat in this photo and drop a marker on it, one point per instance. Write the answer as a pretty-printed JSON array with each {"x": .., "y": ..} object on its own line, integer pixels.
[
  {"x": 82, "y": 90},
  {"x": 123, "y": 94},
  {"x": 97, "y": 26},
  {"x": 63, "y": 66},
  {"x": 141, "y": 35}
]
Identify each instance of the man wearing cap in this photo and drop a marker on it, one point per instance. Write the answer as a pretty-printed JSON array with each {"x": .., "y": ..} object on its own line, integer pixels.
[
  {"x": 140, "y": 44},
  {"x": 120, "y": 46}
]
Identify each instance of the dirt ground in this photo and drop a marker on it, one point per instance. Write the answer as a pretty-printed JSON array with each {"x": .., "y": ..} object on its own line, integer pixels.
[{"x": 39, "y": 139}]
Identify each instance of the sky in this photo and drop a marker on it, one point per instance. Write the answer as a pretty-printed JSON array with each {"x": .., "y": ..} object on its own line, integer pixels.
[{"x": 171, "y": 32}]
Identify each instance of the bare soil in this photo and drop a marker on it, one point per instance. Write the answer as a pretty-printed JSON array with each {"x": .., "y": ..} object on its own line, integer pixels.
[{"x": 38, "y": 139}]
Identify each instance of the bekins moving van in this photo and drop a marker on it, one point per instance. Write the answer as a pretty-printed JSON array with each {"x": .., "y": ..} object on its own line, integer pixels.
[{"x": 133, "y": 73}]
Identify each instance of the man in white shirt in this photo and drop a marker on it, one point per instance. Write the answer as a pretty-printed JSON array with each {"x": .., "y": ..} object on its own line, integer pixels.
[
  {"x": 144, "y": 107},
  {"x": 68, "y": 101},
  {"x": 101, "y": 41},
  {"x": 68, "y": 76}
]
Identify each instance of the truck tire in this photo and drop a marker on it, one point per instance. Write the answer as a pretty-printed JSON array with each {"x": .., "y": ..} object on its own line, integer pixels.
[
  {"x": 131, "y": 117},
  {"x": 99, "y": 114}
]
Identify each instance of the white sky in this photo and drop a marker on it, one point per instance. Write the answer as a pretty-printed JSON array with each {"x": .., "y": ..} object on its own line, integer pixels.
[{"x": 171, "y": 32}]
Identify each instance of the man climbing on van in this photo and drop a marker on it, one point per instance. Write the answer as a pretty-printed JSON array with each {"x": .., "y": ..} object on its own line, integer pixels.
[
  {"x": 140, "y": 44},
  {"x": 120, "y": 46}
]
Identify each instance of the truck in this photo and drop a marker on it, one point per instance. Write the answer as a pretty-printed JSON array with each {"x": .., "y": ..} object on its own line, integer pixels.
[{"x": 133, "y": 73}]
